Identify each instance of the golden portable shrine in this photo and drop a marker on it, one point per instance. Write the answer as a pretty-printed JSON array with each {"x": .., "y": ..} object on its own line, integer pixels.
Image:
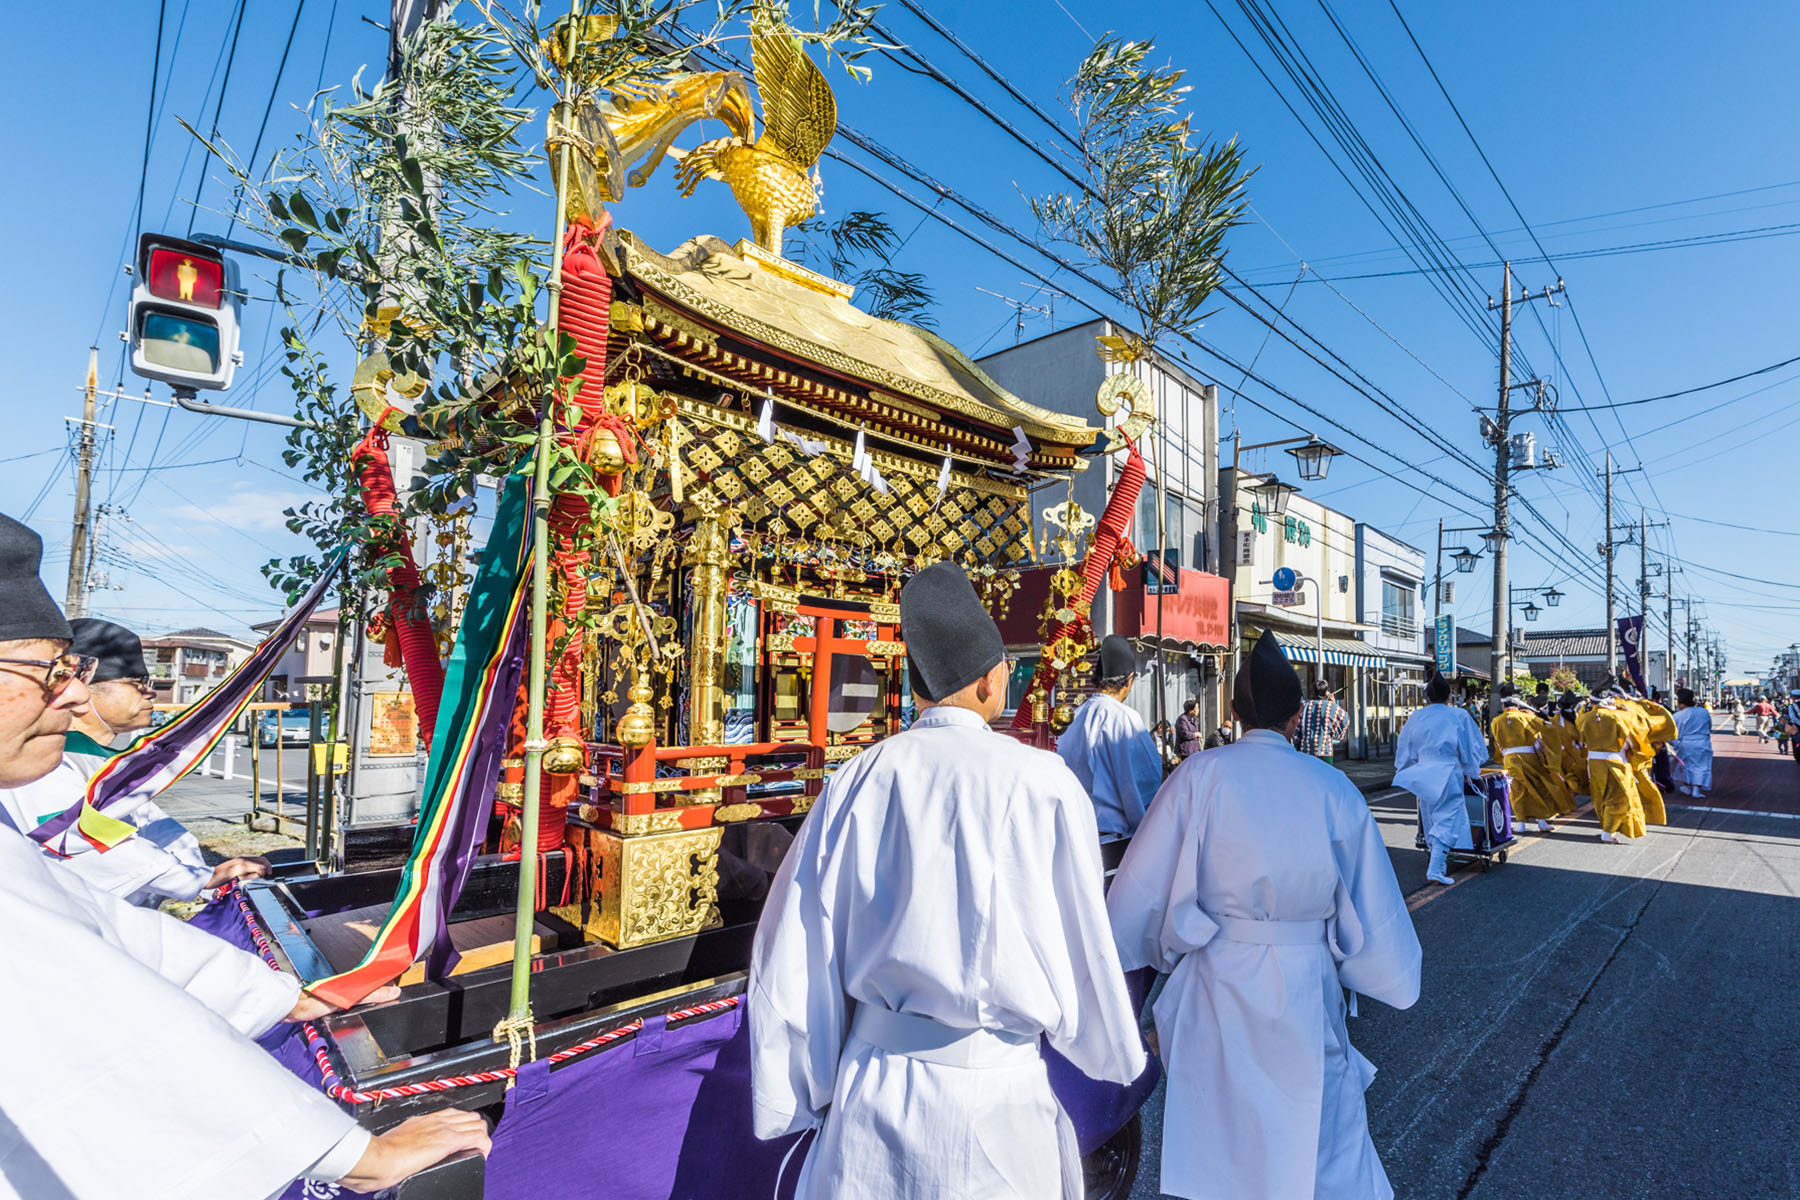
[
  {"x": 797, "y": 459},
  {"x": 712, "y": 634}
]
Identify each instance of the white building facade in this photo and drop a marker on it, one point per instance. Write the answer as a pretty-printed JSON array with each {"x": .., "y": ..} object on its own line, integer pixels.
[
  {"x": 1391, "y": 602},
  {"x": 1063, "y": 372}
]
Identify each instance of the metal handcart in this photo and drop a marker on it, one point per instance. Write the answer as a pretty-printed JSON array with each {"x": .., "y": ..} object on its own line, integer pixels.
[{"x": 1490, "y": 820}]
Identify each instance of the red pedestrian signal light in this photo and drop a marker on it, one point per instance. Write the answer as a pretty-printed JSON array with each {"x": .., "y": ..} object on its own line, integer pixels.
[
  {"x": 184, "y": 314},
  {"x": 173, "y": 275}
]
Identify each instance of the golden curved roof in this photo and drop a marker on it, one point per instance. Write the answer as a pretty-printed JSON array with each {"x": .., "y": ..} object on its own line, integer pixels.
[{"x": 788, "y": 308}]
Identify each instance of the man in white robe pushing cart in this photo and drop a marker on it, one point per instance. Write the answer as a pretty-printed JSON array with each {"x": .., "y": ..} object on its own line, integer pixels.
[
  {"x": 939, "y": 913},
  {"x": 1259, "y": 881}
]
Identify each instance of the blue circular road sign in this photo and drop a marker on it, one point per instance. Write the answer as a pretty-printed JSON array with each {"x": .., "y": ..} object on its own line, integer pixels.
[{"x": 1284, "y": 579}]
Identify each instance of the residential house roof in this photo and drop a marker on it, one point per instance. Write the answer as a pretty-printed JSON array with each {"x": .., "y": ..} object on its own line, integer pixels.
[
  {"x": 1564, "y": 643},
  {"x": 324, "y": 616}
]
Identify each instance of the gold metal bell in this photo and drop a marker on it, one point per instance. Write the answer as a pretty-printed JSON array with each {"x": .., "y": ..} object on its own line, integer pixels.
[
  {"x": 1061, "y": 717},
  {"x": 637, "y": 728},
  {"x": 604, "y": 453},
  {"x": 565, "y": 755}
]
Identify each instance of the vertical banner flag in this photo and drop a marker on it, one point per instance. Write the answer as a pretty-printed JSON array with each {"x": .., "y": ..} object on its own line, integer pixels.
[
  {"x": 479, "y": 686},
  {"x": 1631, "y": 631},
  {"x": 155, "y": 761},
  {"x": 1444, "y": 645}
]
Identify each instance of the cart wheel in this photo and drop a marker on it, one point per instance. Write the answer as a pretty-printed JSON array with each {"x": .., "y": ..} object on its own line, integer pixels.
[
  {"x": 1486, "y": 861},
  {"x": 1111, "y": 1169},
  {"x": 1503, "y": 857}
]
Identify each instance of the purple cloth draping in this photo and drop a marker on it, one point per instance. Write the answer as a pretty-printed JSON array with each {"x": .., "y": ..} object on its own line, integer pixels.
[
  {"x": 1096, "y": 1108},
  {"x": 664, "y": 1116}
]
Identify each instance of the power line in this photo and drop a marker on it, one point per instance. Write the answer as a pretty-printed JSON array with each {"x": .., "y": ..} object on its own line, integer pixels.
[
  {"x": 162, "y": 12},
  {"x": 1704, "y": 387},
  {"x": 218, "y": 109},
  {"x": 1724, "y": 237},
  {"x": 263, "y": 126},
  {"x": 991, "y": 73}
]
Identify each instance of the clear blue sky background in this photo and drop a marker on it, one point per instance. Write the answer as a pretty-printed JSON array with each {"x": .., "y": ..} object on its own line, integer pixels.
[{"x": 1612, "y": 125}]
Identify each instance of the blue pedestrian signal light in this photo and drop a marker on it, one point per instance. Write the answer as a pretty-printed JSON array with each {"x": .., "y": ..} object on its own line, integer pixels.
[
  {"x": 179, "y": 344},
  {"x": 184, "y": 314}
]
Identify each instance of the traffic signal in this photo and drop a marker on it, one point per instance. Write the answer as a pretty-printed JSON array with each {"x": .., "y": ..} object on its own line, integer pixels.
[{"x": 184, "y": 314}]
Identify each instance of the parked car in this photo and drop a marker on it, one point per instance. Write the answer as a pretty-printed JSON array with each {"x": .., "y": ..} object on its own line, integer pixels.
[{"x": 291, "y": 726}]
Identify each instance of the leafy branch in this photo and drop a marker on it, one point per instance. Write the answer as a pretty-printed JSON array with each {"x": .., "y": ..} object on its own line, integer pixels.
[
  {"x": 858, "y": 248},
  {"x": 1154, "y": 207}
]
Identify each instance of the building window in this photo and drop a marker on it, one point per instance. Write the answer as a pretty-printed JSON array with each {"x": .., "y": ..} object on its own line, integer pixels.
[
  {"x": 1397, "y": 612},
  {"x": 1143, "y": 534}
]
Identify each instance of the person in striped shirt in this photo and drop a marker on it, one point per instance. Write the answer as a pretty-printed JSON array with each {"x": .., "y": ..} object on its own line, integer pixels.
[{"x": 1323, "y": 723}]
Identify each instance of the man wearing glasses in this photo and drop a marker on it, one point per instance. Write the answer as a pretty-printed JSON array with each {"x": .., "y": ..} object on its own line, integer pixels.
[
  {"x": 162, "y": 860},
  {"x": 84, "y": 973}
]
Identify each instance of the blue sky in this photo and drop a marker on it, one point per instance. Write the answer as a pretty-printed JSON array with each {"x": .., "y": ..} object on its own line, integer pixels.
[{"x": 1611, "y": 126}]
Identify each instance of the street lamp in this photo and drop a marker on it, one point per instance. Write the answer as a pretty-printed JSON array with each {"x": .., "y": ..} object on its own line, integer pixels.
[
  {"x": 1465, "y": 560},
  {"x": 1275, "y": 495},
  {"x": 1493, "y": 538},
  {"x": 1551, "y": 597},
  {"x": 1314, "y": 458}
]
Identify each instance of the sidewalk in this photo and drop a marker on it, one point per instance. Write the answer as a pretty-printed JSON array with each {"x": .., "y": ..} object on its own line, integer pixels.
[{"x": 1371, "y": 775}]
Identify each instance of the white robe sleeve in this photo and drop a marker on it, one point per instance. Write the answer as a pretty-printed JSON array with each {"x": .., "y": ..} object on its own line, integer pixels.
[
  {"x": 1073, "y": 960},
  {"x": 1136, "y": 770},
  {"x": 799, "y": 1015},
  {"x": 165, "y": 831},
  {"x": 1474, "y": 748},
  {"x": 118, "y": 1083},
  {"x": 237, "y": 986},
  {"x": 139, "y": 869},
  {"x": 1372, "y": 935},
  {"x": 1154, "y": 899}
]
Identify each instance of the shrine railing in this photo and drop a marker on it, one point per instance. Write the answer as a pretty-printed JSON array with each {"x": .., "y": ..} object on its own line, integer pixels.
[{"x": 626, "y": 781}]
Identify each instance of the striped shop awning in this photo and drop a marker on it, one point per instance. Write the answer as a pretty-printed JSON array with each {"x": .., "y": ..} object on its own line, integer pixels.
[{"x": 1339, "y": 652}]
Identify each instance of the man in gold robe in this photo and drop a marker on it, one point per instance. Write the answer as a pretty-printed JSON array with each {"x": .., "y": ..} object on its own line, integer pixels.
[
  {"x": 1538, "y": 793},
  {"x": 1606, "y": 729}
]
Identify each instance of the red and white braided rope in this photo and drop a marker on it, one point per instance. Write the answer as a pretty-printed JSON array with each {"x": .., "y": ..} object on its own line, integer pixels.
[{"x": 335, "y": 1087}]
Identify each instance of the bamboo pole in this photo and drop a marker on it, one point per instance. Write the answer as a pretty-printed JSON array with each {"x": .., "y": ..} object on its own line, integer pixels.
[{"x": 519, "y": 1010}]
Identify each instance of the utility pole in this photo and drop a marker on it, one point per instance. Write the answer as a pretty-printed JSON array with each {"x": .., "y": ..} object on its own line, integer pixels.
[
  {"x": 1502, "y": 616},
  {"x": 75, "y": 598},
  {"x": 1606, "y": 552},
  {"x": 1500, "y": 434},
  {"x": 1644, "y": 528},
  {"x": 1612, "y": 625}
]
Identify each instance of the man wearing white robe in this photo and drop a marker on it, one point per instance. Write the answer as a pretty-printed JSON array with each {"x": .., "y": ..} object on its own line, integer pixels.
[
  {"x": 1260, "y": 883},
  {"x": 125, "y": 1033},
  {"x": 1693, "y": 744},
  {"x": 1439, "y": 747},
  {"x": 939, "y": 912},
  {"x": 162, "y": 860},
  {"x": 1107, "y": 747}
]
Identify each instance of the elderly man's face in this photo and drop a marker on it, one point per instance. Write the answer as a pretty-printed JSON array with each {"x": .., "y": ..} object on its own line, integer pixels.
[{"x": 32, "y": 721}]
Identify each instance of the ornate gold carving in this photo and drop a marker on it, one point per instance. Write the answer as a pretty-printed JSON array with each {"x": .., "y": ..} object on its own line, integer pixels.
[
  {"x": 635, "y": 122},
  {"x": 509, "y": 791},
  {"x": 647, "y": 787},
  {"x": 779, "y": 643},
  {"x": 744, "y": 780},
  {"x": 650, "y": 888},
  {"x": 769, "y": 176},
  {"x": 805, "y": 803},
  {"x": 776, "y": 598},
  {"x": 638, "y": 824},
  {"x": 879, "y": 649},
  {"x": 737, "y": 812},
  {"x": 842, "y": 753}
]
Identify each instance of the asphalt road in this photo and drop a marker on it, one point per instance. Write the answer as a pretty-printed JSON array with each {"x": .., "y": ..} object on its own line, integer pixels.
[{"x": 1596, "y": 1020}]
